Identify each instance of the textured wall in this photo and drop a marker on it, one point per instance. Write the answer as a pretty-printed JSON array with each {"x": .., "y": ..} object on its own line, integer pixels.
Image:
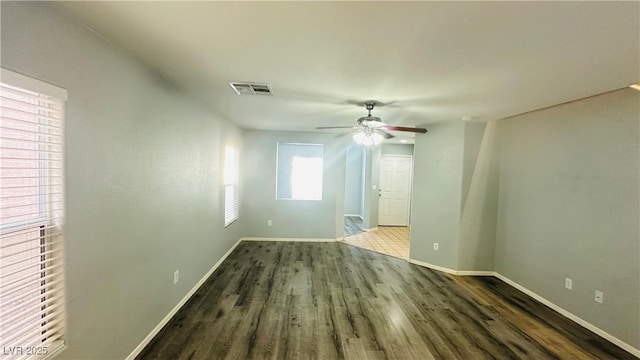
[
  {"x": 568, "y": 207},
  {"x": 144, "y": 192},
  {"x": 479, "y": 198},
  {"x": 354, "y": 180},
  {"x": 437, "y": 184},
  {"x": 397, "y": 149}
]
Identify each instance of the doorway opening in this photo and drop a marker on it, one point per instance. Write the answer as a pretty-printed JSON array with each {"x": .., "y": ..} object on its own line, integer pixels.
[
  {"x": 391, "y": 235},
  {"x": 354, "y": 190}
]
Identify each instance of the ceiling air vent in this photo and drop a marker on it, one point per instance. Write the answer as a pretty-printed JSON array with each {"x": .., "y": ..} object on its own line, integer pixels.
[{"x": 250, "y": 89}]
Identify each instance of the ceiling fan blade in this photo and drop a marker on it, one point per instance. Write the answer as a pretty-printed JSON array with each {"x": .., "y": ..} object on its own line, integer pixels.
[
  {"x": 386, "y": 134},
  {"x": 337, "y": 127},
  {"x": 407, "y": 129}
]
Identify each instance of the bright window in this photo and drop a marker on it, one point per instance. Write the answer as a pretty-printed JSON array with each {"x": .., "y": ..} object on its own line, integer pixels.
[
  {"x": 231, "y": 211},
  {"x": 299, "y": 172},
  {"x": 31, "y": 216}
]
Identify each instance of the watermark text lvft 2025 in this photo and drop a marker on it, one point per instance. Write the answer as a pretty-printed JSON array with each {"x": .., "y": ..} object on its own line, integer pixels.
[{"x": 24, "y": 350}]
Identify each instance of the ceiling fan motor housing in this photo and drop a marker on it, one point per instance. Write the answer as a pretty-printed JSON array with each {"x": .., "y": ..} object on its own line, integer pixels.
[{"x": 369, "y": 105}]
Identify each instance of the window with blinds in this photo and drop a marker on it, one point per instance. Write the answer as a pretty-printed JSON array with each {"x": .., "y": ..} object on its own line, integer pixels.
[
  {"x": 31, "y": 218},
  {"x": 231, "y": 205}
]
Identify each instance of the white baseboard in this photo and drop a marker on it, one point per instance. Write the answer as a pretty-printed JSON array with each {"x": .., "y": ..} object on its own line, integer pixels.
[
  {"x": 570, "y": 316},
  {"x": 286, "y": 239},
  {"x": 434, "y": 267},
  {"x": 179, "y": 305},
  {"x": 451, "y": 271},
  {"x": 475, "y": 273}
]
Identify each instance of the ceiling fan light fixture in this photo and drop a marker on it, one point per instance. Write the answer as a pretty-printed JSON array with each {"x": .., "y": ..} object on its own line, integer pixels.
[
  {"x": 368, "y": 139},
  {"x": 377, "y": 138}
]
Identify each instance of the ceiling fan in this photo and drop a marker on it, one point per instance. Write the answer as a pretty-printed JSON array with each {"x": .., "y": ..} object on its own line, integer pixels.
[{"x": 372, "y": 129}]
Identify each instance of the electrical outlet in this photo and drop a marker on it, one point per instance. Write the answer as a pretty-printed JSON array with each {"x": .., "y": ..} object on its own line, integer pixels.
[
  {"x": 599, "y": 297},
  {"x": 435, "y": 246},
  {"x": 176, "y": 276},
  {"x": 269, "y": 223},
  {"x": 568, "y": 283}
]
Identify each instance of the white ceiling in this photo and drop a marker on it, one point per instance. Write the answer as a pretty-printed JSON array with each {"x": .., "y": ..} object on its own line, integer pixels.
[{"x": 433, "y": 61}]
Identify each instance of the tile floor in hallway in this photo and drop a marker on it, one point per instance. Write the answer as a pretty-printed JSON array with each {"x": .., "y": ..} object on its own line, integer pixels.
[{"x": 390, "y": 240}]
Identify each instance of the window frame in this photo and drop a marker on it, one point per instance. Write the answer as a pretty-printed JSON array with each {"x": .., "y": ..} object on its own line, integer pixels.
[{"x": 231, "y": 182}]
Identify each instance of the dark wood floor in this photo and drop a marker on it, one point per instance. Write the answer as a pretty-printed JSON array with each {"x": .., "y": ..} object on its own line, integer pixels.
[{"x": 289, "y": 300}]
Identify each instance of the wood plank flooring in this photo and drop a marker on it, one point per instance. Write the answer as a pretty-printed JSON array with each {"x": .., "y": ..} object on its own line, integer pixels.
[{"x": 296, "y": 300}]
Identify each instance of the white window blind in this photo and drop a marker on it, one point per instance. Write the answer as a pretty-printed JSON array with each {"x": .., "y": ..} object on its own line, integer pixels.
[
  {"x": 31, "y": 219},
  {"x": 231, "y": 205}
]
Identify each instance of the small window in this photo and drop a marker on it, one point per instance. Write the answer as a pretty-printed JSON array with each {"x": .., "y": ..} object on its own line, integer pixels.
[
  {"x": 231, "y": 211},
  {"x": 299, "y": 172}
]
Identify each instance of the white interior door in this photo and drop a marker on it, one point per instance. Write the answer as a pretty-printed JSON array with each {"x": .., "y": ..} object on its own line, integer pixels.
[{"x": 395, "y": 190}]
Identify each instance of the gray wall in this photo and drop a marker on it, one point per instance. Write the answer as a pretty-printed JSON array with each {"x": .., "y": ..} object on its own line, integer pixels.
[
  {"x": 568, "y": 207},
  {"x": 354, "y": 180},
  {"x": 437, "y": 184},
  {"x": 371, "y": 187},
  {"x": 479, "y": 198},
  {"x": 455, "y": 196},
  {"x": 291, "y": 218},
  {"x": 144, "y": 191},
  {"x": 397, "y": 149},
  {"x": 473, "y": 134},
  {"x": 537, "y": 198}
]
